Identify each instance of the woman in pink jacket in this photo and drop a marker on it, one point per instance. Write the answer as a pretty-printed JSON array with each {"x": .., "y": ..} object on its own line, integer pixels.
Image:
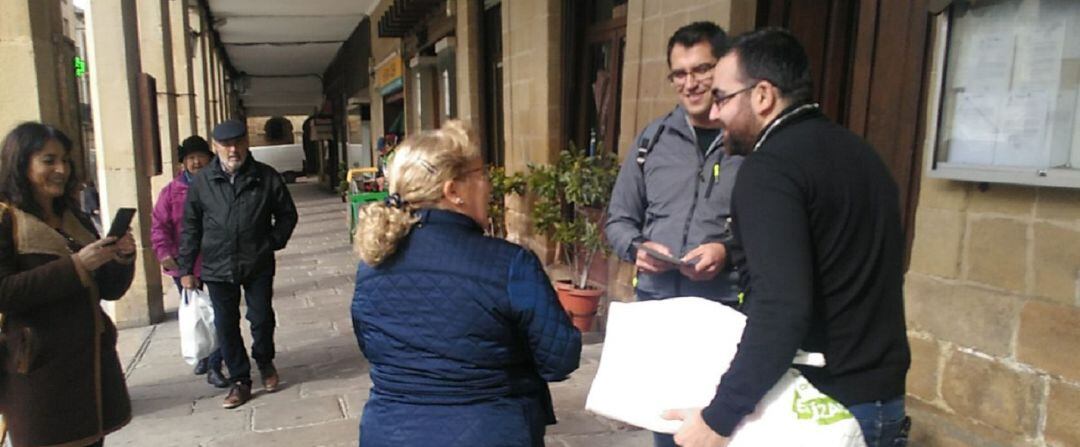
[{"x": 165, "y": 233}]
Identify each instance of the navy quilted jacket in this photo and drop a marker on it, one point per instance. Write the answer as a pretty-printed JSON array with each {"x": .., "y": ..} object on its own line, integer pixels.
[{"x": 463, "y": 332}]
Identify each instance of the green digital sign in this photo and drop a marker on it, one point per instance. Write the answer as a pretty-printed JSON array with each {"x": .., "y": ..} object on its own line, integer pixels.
[{"x": 80, "y": 67}]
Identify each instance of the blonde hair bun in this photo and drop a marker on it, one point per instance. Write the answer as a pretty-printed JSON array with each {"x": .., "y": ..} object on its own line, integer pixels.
[{"x": 420, "y": 166}]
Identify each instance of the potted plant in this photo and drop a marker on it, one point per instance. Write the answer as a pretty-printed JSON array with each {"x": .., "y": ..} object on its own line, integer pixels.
[
  {"x": 501, "y": 185},
  {"x": 570, "y": 209}
]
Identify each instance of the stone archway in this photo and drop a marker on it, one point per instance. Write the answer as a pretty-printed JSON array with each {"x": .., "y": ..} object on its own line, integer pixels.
[{"x": 278, "y": 130}]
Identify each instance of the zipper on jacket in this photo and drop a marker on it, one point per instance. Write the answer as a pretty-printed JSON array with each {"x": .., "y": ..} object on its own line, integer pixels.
[
  {"x": 715, "y": 178},
  {"x": 690, "y": 215}
]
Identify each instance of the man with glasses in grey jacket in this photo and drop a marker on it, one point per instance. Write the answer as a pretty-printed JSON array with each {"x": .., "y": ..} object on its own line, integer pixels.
[
  {"x": 673, "y": 192},
  {"x": 670, "y": 205}
]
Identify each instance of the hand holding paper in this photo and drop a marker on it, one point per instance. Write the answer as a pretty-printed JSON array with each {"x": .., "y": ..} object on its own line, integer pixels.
[{"x": 694, "y": 431}]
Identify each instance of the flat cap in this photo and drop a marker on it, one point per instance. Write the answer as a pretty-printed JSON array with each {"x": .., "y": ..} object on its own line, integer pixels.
[{"x": 229, "y": 129}]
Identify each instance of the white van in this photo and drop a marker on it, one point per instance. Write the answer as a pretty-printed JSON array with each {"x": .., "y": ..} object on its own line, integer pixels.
[{"x": 287, "y": 159}]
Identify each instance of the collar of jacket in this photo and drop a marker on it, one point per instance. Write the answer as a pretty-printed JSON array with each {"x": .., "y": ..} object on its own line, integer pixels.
[
  {"x": 218, "y": 172},
  {"x": 783, "y": 120},
  {"x": 679, "y": 122},
  {"x": 436, "y": 216}
]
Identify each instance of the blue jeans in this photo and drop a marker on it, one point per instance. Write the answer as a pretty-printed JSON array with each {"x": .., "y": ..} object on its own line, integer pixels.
[
  {"x": 883, "y": 422},
  {"x": 215, "y": 357}
]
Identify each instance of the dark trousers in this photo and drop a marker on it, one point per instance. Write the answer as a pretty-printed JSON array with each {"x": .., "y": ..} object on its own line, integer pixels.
[
  {"x": 258, "y": 293},
  {"x": 663, "y": 440},
  {"x": 215, "y": 357},
  {"x": 884, "y": 423}
]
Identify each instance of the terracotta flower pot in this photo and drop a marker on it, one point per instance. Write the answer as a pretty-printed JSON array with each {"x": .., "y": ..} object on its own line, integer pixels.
[{"x": 580, "y": 304}]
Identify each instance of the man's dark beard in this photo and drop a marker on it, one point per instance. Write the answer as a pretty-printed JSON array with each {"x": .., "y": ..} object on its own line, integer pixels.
[{"x": 736, "y": 145}]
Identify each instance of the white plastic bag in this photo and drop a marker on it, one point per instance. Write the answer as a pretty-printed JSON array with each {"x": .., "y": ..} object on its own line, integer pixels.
[
  {"x": 670, "y": 354},
  {"x": 198, "y": 338},
  {"x": 795, "y": 413}
]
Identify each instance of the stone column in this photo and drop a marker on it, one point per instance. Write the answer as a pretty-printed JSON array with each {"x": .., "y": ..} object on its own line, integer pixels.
[
  {"x": 198, "y": 70},
  {"x": 112, "y": 28},
  {"x": 155, "y": 51},
  {"x": 470, "y": 107},
  {"x": 182, "y": 69},
  {"x": 29, "y": 37},
  {"x": 212, "y": 84},
  {"x": 205, "y": 104},
  {"x": 222, "y": 109}
]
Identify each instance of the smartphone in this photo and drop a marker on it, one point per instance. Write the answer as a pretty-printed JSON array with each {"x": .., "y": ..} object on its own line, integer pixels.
[
  {"x": 666, "y": 258},
  {"x": 121, "y": 222}
]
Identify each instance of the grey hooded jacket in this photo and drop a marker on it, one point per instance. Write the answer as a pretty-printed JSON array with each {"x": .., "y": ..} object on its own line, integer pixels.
[{"x": 682, "y": 200}]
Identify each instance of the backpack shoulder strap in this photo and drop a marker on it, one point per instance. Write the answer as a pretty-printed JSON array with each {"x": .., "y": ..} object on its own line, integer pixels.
[{"x": 648, "y": 139}]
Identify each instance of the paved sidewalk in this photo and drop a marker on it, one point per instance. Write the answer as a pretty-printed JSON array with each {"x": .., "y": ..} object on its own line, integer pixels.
[{"x": 325, "y": 377}]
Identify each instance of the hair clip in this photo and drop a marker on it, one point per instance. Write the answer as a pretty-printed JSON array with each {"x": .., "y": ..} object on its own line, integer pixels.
[
  {"x": 430, "y": 168},
  {"x": 394, "y": 201}
]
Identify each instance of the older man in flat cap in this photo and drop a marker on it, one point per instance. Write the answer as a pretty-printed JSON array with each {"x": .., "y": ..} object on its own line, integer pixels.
[{"x": 238, "y": 212}]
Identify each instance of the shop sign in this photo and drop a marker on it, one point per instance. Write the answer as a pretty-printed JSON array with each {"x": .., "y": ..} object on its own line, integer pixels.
[{"x": 388, "y": 71}]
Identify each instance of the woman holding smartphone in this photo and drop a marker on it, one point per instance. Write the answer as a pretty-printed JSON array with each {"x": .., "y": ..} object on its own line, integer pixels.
[{"x": 61, "y": 383}]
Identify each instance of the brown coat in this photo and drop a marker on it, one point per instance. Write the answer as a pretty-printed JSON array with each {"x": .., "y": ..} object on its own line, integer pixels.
[{"x": 61, "y": 383}]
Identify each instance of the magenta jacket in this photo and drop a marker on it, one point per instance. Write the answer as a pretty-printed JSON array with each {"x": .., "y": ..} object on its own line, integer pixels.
[{"x": 167, "y": 219}]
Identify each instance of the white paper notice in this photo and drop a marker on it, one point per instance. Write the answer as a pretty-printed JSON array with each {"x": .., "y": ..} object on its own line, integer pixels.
[
  {"x": 1023, "y": 131},
  {"x": 974, "y": 128},
  {"x": 986, "y": 62},
  {"x": 1041, "y": 49}
]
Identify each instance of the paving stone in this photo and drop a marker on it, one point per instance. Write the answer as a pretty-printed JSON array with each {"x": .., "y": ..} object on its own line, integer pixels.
[
  {"x": 259, "y": 398},
  {"x": 297, "y": 413},
  {"x": 289, "y": 303},
  {"x": 354, "y": 403},
  {"x": 306, "y": 358},
  {"x": 195, "y": 389},
  {"x": 129, "y": 342},
  {"x": 165, "y": 407},
  {"x": 334, "y": 434},
  {"x": 639, "y": 438},
  {"x": 360, "y": 382},
  {"x": 576, "y": 422},
  {"x": 185, "y": 431}
]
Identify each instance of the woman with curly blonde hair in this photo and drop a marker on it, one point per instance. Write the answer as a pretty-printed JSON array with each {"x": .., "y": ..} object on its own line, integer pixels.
[{"x": 463, "y": 331}]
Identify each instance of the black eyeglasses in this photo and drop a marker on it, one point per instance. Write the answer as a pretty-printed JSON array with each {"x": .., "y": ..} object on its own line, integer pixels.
[
  {"x": 700, "y": 74},
  {"x": 719, "y": 100}
]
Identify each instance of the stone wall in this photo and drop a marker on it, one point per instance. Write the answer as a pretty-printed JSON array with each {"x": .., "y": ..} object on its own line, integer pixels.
[
  {"x": 532, "y": 82},
  {"x": 993, "y": 309}
]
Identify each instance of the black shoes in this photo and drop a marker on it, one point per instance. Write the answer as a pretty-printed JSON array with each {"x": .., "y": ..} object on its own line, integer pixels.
[
  {"x": 202, "y": 366},
  {"x": 216, "y": 378}
]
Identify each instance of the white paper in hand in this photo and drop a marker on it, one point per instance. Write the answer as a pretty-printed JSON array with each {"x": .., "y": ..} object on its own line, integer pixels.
[{"x": 653, "y": 361}]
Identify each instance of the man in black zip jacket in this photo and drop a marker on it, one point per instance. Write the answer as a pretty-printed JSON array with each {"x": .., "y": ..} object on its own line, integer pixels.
[
  {"x": 238, "y": 212},
  {"x": 816, "y": 213}
]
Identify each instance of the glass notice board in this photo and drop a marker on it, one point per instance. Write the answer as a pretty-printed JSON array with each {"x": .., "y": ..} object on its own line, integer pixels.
[{"x": 1007, "y": 74}]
